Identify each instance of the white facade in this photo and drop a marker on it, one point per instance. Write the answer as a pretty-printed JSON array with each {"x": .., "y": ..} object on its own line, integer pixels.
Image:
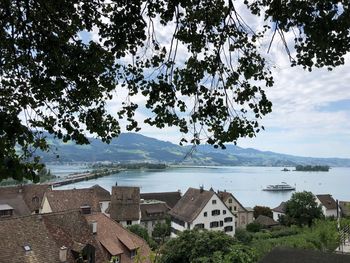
[
  {"x": 104, "y": 205},
  {"x": 45, "y": 206},
  {"x": 327, "y": 212},
  {"x": 214, "y": 216},
  {"x": 277, "y": 215},
  {"x": 129, "y": 223}
]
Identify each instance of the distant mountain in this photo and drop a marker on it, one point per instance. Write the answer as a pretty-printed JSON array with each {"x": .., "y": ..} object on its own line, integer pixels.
[{"x": 132, "y": 147}]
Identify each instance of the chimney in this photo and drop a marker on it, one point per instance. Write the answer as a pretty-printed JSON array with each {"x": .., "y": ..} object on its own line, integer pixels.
[
  {"x": 94, "y": 227},
  {"x": 201, "y": 189},
  {"x": 63, "y": 254}
]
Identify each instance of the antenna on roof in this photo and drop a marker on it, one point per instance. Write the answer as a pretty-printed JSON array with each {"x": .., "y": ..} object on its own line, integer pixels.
[
  {"x": 201, "y": 188},
  {"x": 116, "y": 183}
]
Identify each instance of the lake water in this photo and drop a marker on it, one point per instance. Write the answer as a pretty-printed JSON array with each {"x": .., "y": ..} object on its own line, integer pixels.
[{"x": 246, "y": 183}]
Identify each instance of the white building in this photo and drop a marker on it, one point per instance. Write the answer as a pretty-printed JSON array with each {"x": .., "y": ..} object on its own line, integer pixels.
[
  {"x": 279, "y": 211},
  {"x": 328, "y": 204},
  {"x": 199, "y": 208}
]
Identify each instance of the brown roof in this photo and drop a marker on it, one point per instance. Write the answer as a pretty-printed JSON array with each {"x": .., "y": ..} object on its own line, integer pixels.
[
  {"x": 71, "y": 229},
  {"x": 102, "y": 194},
  {"x": 73, "y": 199},
  {"x": 293, "y": 255},
  {"x": 266, "y": 221},
  {"x": 125, "y": 203},
  {"x": 345, "y": 208},
  {"x": 170, "y": 198},
  {"x": 44, "y": 235},
  {"x": 191, "y": 204},
  {"x": 153, "y": 211},
  {"x": 223, "y": 195},
  {"x": 29, "y": 231},
  {"x": 117, "y": 240},
  {"x": 25, "y": 199},
  {"x": 327, "y": 201},
  {"x": 281, "y": 208}
]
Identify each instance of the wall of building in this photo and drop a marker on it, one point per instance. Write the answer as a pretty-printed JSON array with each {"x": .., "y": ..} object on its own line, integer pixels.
[
  {"x": 104, "y": 205},
  {"x": 133, "y": 222},
  {"x": 206, "y": 220},
  {"x": 45, "y": 207},
  {"x": 149, "y": 225},
  {"x": 276, "y": 215}
]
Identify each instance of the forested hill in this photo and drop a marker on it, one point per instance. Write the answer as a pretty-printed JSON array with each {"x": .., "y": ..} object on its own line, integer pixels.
[{"x": 132, "y": 147}]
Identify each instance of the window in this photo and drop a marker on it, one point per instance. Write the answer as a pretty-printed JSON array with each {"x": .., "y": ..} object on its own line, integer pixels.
[
  {"x": 224, "y": 212},
  {"x": 214, "y": 224},
  {"x": 230, "y": 200},
  {"x": 228, "y": 229},
  {"x": 213, "y": 202},
  {"x": 221, "y": 223},
  {"x": 235, "y": 208},
  {"x": 199, "y": 225},
  {"x": 129, "y": 222},
  {"x": 230, "y": 207},
  {"x": 215, "y": 212},
  {"x": 4, "y": 213},
  {"x": 205, "y": 214},
  {"x": 228, "y": 219},
  {"x": 133, "y": 253}
]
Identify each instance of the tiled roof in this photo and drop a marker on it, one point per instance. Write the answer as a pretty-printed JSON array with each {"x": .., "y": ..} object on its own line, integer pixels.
[
  {"x": 266, "y": 221},
  {"x": 102, "y": 194},
  {"x": 117, "y": 240},
  {"x": 170, "y": 198},
  {"x": 191, "y": 204},
  {"x": 28, "y": 231},
  {"x": 153, "y": 211},
  {"x": 293, "y": 255},
  {"x": 327, "y": 201},
  {"x": 25, "y": 199},
  {"x": 281, "y": 208},
  {"x": 223, "y": 195},
  {"x": 125, "y": 203},
  {"x": 63, "y": 200},
  {"x": 71, "y": 229}
]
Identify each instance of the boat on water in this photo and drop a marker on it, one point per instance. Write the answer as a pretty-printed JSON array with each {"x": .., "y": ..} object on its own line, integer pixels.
[{"x": 279, "y": 187}]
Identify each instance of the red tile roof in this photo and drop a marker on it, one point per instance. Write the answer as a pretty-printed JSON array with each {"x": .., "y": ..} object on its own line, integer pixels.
[
  {"x": 170, "y": 198},
  {"x": 117, "y": 240},
  {"x": 125, "y": 203},
  {"x": 327, "y": 201}
]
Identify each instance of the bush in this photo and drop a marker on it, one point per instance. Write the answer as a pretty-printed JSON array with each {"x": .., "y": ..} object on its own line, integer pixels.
[
  {"x": 243, "y": 235},
  {"x": 253, "y": 227}
]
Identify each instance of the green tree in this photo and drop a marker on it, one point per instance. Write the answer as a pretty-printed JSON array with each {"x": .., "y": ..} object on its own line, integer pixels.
[
  {"x": 54, "y": 81},
  {"x": 302, "y": 209},
  {"x": 192, "y": 245},
  {"x": 262, "y": 210},
  {"x": 142, "y": 232},
  {"x": 161, "y": 231}
]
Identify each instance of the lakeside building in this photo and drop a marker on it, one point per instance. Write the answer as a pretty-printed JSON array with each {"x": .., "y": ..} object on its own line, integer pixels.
[
  {"x": 152, "y": 213},
  {"x": 279, "y": 211},
  {"x": 125, "y": 205},
  {"x": 244, "y": 215},
  {"x": 21, "y": 200},
  {"x": 170, "y": 198},
  {"x": 328, "y": 204},
  {"x": 95, "y": 199},
  {"x": 199, "y": 208}
]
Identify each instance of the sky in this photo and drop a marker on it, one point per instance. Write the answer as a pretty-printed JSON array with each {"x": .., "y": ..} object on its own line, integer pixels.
[{"x": 310, "y": 114}]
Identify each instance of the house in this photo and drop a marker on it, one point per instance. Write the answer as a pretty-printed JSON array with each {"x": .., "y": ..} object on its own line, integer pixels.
[
  {"x": 119, "y": 244},
  {"x": 328, "y": 204},
  {"x": 279, "y": 211},
  {"x": 21, "y": 200},
  {"x": 293, "y": 255},
  {"x": 265, "y": 221},
  {"x": 170, "y": 198},
  {"x": 49, "y": 238},
  {"x": 243, "y": 215},
  {"x": 94, "y": 199},
  {"x": 153, "y": 212},
  {"x": 125, "y": 205},
  {"x": 199, "y": 208}
]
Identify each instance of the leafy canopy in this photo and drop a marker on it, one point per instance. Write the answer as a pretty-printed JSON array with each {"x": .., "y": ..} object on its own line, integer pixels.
[
  {"x": 302, "y": 209},
  {"x": 53, "y": 81}
]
